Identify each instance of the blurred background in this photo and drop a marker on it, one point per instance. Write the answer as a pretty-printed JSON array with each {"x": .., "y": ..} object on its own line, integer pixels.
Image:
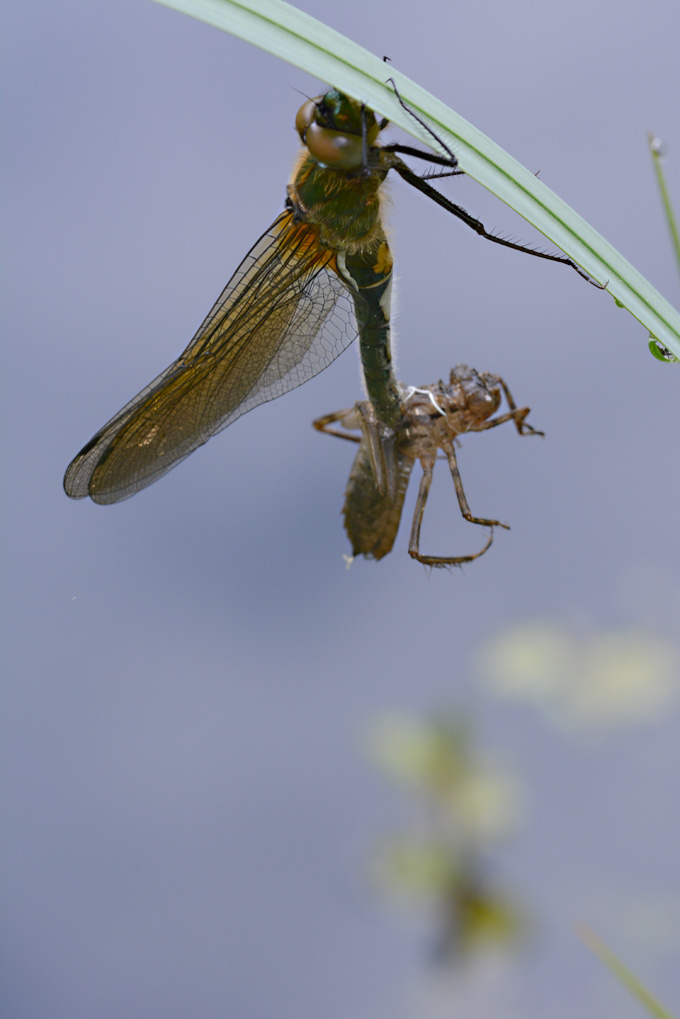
[{"x": 241, "y": 778}]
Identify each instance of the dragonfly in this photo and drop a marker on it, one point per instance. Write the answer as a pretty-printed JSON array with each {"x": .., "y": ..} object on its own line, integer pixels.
[
  {"x": 432, "y": 419},
  {"x": 318, "y": 277}
]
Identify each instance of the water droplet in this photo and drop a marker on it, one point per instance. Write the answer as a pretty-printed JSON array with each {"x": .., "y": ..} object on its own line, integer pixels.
[
  {"x": 661, "y": 352},
  {"x": 618, "y": 303}
]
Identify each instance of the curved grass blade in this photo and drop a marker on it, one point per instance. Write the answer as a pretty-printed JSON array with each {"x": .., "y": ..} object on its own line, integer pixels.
[{"x": 303, "y": 41}]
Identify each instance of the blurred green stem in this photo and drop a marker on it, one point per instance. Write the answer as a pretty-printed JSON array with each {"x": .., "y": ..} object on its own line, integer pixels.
[
  {"x": 622, "y": 973},
  {"x": 656, "y": 149}
]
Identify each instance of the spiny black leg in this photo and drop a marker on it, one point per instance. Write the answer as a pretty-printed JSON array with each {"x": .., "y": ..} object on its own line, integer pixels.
[
  {"x": 437, "y": 175},
  {"x": 422, "y": 123},
  {"x": 408, "y": 175},
  {"x": 475, "y": 224},
  {"x": 428, "y": 157}
]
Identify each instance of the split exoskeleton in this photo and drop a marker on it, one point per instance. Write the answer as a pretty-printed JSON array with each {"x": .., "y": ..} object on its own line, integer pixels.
[{"x": 432, "y": 417}]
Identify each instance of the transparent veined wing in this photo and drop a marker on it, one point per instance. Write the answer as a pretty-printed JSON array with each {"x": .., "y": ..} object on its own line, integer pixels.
[{"x": 284, "y": 316}]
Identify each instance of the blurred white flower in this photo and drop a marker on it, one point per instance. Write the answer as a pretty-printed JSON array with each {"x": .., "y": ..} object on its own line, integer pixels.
[{"x": 607, "y": 679}]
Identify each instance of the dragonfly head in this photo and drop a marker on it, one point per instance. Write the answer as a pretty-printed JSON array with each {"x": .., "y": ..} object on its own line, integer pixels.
[
  {"x": 478, "y": 393},
  {"x": 333, "y": 128}
]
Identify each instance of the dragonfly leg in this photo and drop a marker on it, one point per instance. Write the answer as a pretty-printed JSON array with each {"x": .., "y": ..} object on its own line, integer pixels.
[
  {"x": 462, "y": 501},
  {"x": 517, "y": 415},
  {"x": 414, "y": 541},
  {"x": 428, "y": 157},
  {"x": 407, "y": 174},
  {"x": 450, "y": 157},
  {"x": 438, "y": 174},
  {"x": 522, "y": 427},
  {"x": 423, "y": 492},
  {"x": 323, "y": 424}
]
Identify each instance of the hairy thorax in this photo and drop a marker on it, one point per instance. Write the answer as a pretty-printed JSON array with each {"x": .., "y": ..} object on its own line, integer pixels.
[{"x": 344, "y": 206}]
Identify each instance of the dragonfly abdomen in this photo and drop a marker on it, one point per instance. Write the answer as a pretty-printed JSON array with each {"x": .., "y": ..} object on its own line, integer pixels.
[{"x": 369, "y": 274}]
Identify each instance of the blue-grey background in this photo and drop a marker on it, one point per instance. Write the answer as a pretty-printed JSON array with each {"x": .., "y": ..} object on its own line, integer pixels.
[{"x": 190, "y": 676}]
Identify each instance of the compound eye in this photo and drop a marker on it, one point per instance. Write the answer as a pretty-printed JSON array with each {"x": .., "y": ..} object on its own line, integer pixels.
[
  {"x": 334, "y": 148},
  {"x": 305, "y": 115},
  {"x": 340, "y": 150}
]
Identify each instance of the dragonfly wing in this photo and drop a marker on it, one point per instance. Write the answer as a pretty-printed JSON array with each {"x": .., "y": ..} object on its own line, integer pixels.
[
  {"x": 371, "y": 516},
  {"x": 284, "y": 316}
]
